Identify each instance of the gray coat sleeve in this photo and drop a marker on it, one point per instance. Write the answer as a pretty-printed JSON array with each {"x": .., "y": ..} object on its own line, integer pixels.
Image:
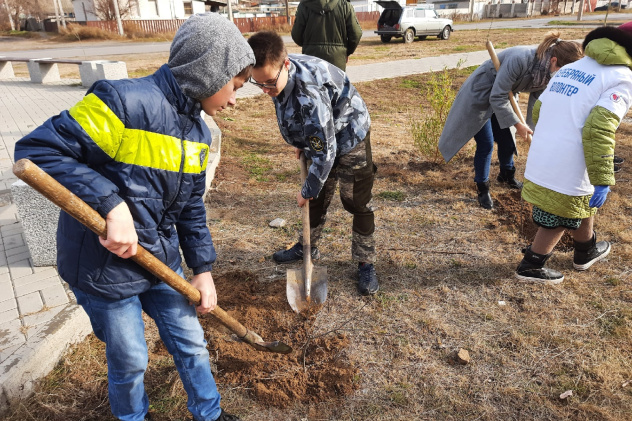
[{"x": 512, "y": 70}]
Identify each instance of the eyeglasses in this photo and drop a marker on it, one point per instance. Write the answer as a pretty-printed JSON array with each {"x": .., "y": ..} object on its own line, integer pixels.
[{"x": 268, "y": 85}]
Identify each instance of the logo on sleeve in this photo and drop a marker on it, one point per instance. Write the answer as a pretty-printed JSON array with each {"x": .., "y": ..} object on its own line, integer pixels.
[
  {"x": 615, "y": 97},
  {"x": 316, "y": 143}
]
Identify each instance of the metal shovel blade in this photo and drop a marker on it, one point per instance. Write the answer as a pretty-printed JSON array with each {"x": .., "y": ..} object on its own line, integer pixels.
[{"x": 295, "y": 288}]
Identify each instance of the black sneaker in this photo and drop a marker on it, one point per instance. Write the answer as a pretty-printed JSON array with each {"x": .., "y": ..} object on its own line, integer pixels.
[
  {"x": 531, "y": 268},
  {"x": 589, "y": 253},
  {"x": 147, "y": 417},
  {"x": 227, "y": 417},
  {"x": 367, "y": 279},
  {"x": 294, "y": 254},
  {"x": 617, "y": 168},
  {"x": 618, "y": 160}
]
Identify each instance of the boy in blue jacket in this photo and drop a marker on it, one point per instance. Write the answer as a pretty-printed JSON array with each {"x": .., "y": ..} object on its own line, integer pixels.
[{"x": 136, "y": 150}]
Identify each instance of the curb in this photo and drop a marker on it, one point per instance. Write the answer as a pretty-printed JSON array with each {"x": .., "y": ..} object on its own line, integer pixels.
[{"x": 37, "y": 357}]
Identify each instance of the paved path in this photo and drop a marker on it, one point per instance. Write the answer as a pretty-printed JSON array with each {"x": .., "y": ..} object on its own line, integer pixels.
[{"x": 38, "y": 316}]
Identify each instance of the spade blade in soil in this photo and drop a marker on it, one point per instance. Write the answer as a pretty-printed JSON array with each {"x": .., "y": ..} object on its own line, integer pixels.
[{"x": 296, "y": 295}]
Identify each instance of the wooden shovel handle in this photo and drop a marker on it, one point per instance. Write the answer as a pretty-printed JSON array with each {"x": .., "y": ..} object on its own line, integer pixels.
[
  {"x": 307, "y": 242},
  {"x": 512, "y": 99},
  {"x": 35, "y": 177}
]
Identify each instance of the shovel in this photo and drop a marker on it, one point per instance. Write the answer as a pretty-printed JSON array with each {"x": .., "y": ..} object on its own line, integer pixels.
[
  {"x": 306, "y": 286},
  {"x": 512, "y": 98},
  {"x": 32, "y": 175}
]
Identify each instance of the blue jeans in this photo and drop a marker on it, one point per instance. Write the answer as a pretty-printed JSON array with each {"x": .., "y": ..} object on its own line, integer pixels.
[
  {"x": 119, "y": 324},
  {"x": 485, "y": 138}
]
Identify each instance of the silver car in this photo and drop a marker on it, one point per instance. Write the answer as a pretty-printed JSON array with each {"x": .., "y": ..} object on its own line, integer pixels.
[{"x": 408, "y": 22}]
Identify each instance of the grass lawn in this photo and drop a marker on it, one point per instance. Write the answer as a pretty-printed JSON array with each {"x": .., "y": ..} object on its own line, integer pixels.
[{"x": 446, "y": 273}]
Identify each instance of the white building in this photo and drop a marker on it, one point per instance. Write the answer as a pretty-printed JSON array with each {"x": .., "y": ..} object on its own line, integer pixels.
[{"x": 146, "y": 9}]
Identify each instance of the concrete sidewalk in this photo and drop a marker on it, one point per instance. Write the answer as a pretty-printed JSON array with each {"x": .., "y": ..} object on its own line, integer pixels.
[{"x": 39, "y": 318}]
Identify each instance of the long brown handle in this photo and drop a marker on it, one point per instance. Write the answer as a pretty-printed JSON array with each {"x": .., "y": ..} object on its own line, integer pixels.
[
  {"x": 35, "y": 177},
  {"x": 512, "y": 99},
  {"x": 307, "y": 245}
]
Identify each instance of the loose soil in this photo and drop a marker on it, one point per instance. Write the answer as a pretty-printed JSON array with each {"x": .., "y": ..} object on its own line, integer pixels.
[{"x": 317, "y": 370}]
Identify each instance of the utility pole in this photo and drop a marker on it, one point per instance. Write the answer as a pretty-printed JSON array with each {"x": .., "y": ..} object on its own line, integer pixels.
[
  {"x": 230, "y": 10},
  {"x": 471, "y": 10},
  {"x": 580, "y": 12},
  {"x": 118, "y": 17},
  {"x": 287, "y": 12},
  {"x": 6, "y": 4}
]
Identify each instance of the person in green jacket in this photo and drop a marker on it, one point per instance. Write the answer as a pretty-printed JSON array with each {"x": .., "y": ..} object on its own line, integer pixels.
[
  {"x": 570, "y": 168},
  {"x": 327, "y": 29}
]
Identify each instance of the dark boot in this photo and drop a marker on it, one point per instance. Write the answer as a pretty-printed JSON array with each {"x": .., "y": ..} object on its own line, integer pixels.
[
  {"x": 367, "y": 279},
  {"x": 484, "y": 199},
  {"x": 531, "y": 268},
  {"x": 589, "y": 252},
  {"x": 227, "y": 417},
  {"x": 507, "y": 177},
  {"x": 294, "y": 254}
]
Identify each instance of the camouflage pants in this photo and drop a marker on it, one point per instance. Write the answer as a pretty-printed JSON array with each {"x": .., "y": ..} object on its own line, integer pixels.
[{"x": 355, "y": 171}]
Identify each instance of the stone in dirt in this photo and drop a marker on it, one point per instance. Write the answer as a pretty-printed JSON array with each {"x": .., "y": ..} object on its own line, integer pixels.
[
  {"x": 317, "y": 370},
  {"x": 462, "y": 356},
  {"x": 277, "y": 223}
]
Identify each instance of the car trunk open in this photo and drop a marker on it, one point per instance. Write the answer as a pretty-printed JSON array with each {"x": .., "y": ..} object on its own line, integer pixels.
[{"x": 391, "y": 14}]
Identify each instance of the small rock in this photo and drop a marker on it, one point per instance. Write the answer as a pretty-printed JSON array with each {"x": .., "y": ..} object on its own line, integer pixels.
[
  {"x": 566, "y": 394},
  {"x": 462, "y": 356},
  {"x": 502, "y": 303},
  {"x": 277, "y": 223}
]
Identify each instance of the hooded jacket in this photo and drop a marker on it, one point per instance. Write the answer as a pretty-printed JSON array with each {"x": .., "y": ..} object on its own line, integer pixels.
[
  {"x": 327, "y": 29},
  {"x": 141, "y": 141},
  {"x": 571, "y": 155}
]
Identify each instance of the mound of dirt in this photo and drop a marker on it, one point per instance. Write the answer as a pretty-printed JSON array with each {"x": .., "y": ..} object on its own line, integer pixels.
[
  {"x": 317, "y": 370},
  {"x": 513, "y": 211}
]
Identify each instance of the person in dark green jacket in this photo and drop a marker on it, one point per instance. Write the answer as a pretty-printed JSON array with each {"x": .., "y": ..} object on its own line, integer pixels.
[{"x": 327, "y": 29}]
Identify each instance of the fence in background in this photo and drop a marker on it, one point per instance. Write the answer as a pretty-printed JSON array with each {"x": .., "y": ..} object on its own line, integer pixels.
[{"x": 244, "y": 24}]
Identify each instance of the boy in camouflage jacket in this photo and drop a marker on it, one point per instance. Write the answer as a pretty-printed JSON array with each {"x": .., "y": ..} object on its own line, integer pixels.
[{"x": 321, "y": 114}]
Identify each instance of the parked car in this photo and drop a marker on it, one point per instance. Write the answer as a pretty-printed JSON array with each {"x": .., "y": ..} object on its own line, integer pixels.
[
  {"x": 613, "y": 5},
  {"x": 408, "y": 22}
]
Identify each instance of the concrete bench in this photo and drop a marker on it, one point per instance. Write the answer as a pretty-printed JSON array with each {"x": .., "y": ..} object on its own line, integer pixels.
[{"x": 45, "y": 70}]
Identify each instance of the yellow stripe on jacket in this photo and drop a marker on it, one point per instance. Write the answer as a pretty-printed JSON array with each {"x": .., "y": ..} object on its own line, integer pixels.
[{"x": 136, "y": 147}]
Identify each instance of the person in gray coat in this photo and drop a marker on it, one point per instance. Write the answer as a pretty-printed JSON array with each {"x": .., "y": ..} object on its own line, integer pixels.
[{"x": 482, "y": 108}]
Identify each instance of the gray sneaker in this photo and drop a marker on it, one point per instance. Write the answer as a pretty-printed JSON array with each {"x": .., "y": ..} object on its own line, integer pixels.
[
  {"x": 367, "y": 279},
  {"x": 294, "y": 254}
]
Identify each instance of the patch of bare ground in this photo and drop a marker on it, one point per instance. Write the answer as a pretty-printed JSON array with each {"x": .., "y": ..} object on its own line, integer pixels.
[{"x": 446, "y": 272}]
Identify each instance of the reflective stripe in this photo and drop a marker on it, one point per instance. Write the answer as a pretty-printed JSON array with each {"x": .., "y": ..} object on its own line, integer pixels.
[{"x": 133, "y": 146}]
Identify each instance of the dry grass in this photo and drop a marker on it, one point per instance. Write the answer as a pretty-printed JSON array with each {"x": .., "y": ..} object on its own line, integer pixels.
[{"x": 445, "y": 265}]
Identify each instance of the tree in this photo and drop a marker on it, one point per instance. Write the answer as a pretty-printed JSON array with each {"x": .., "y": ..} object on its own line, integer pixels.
[
  {"x": 104, "y": 9},
  {"x": 18, "y": 9}
]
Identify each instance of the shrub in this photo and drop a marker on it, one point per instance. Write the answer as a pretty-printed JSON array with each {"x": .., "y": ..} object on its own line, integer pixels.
[
  {"x": 427, "y": 129},
  {"x": 75, "y": 32}
]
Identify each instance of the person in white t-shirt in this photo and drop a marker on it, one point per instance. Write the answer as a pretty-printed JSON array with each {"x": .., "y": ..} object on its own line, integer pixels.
[{"x": 570, "y": 163}]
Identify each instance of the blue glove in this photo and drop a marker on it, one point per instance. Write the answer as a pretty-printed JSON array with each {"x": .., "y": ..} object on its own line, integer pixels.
[{"x": 599, "y": 196}]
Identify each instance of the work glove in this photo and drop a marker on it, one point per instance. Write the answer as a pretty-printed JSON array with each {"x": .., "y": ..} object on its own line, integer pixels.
[{"x": 599, "y": 196}]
